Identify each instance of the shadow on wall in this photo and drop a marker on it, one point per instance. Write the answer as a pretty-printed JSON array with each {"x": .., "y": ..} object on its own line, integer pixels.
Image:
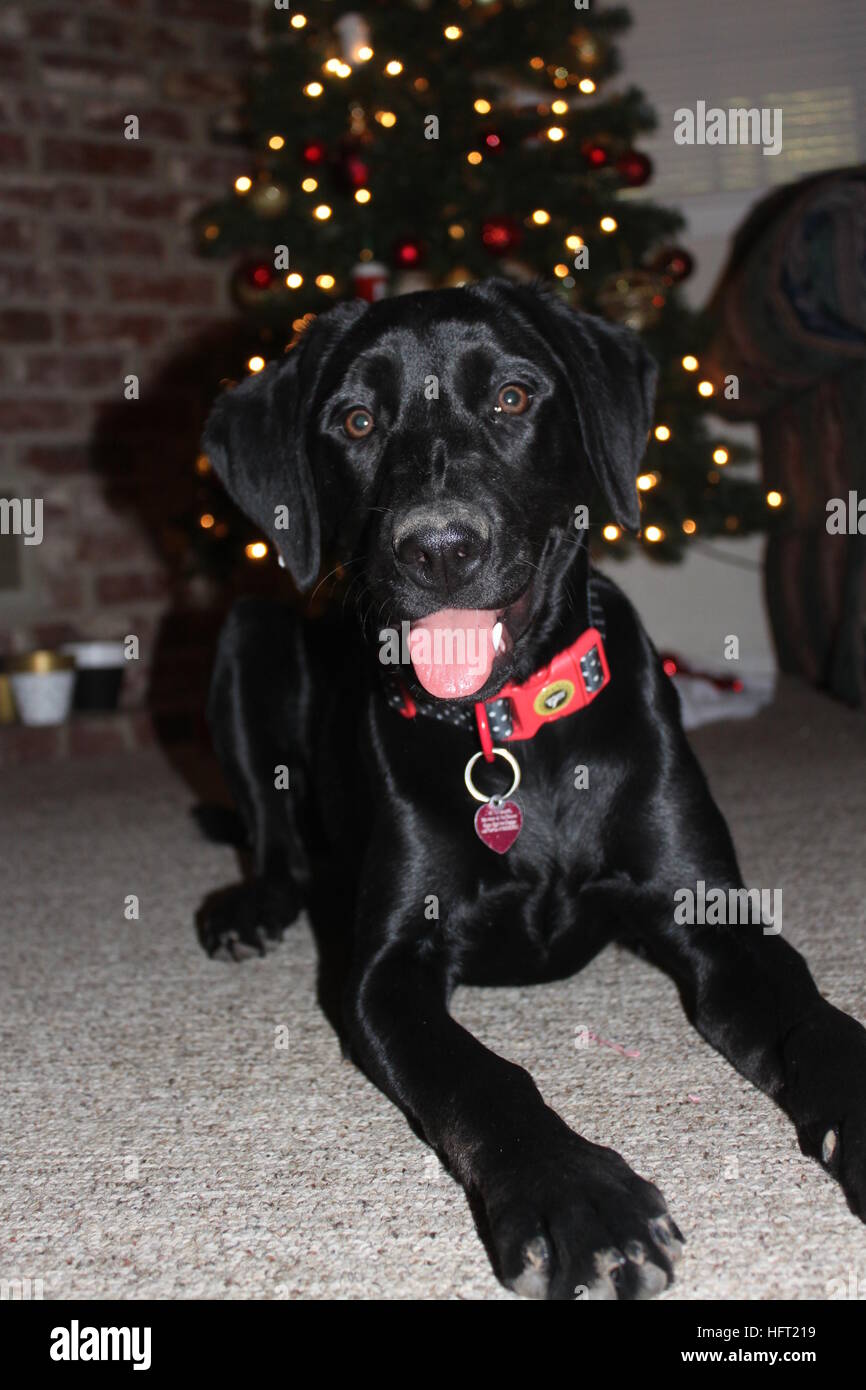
[{"x": 145, "y": 452}]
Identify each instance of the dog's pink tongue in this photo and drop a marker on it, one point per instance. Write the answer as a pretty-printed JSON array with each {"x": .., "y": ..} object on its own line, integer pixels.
[{"x": 452, "y": 650}]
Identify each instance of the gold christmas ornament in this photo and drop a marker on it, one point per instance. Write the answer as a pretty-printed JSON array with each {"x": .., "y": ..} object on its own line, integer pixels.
[
  {"x": 632, "y": 297},
  {"x": 460, "y": 275},
  {"x": 270, "y": 199}
]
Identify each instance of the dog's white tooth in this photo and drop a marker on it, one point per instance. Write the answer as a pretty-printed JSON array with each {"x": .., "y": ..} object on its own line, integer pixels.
[{"x": 497, "y": 637}]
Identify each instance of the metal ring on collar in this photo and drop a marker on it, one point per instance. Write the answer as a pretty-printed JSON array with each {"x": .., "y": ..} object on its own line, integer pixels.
[{"x": 499, "y": 753}]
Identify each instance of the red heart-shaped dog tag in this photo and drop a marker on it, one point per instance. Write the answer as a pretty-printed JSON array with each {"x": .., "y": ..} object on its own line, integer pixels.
[{"x": 498, "y": 824}]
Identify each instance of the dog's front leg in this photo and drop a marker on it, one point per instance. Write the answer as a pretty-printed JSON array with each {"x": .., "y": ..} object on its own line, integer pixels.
[
  {"x": 752, "y": 997},
  {"x": 562, "y": 1217}
]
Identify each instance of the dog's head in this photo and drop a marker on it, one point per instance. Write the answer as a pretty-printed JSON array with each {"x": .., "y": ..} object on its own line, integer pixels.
[{"x": 442, "y": 441}]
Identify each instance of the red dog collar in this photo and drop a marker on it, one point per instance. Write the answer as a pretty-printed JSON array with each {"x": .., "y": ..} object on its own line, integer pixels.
[{"x": 571, "y": 682}]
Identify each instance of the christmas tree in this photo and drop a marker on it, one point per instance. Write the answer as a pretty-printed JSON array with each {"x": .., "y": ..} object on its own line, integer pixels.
[{"x": 422, "y": 144}]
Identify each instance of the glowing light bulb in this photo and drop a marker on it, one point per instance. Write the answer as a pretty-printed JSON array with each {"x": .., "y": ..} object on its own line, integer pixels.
[
  {"x": 206, "y": 521},
  {"x": 394, "y": 68},
  {"x": 608, "y": 224},
  {"x": 243, "y": 184},
  {"x": 720, "y": 456},
  {"x": 322, "y": 212},
  {"x": 482, "y": 106},
  {"x": 574, "y": 242},
  {"x": 474, "y": 157},
  {"x": 559, "y": 107},
  {"x": 363, "y": 195},
  {"x": 256, "y": 364},
  {"x": 646, "y": 481},
  {"x": 256, "y": 550},
  {"x": 453, "y": 31},
  {"x": 294, "y": 281},
  {"x": 276, "y": 142},
  {"x": 325, "y": 282},
  {"x": 555, "y": 133},
  {"x": 310, "y": 185},
  {"x": 774, "y": 499},
  {"x": 313, "y": 89},
  {"x": 540, "y": 217},
  {"x": 705, "y": 388},
  {"x": 364, "y": 54},
  {"x": 611, "y": 533},
  {"x": 654, "y": 534},
  {"x": 689, "y": 526},
  {"x": 298, "y": 21},
  {"x": 690, "y": 363},
  {"x": 586, "y": 85},
  {"x": 662, "y": 433}
]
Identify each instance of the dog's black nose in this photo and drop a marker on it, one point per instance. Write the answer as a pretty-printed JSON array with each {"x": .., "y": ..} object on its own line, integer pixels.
[{"x": 441, "y": 554}]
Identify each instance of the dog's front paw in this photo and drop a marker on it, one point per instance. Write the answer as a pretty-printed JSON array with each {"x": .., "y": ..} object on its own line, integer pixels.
[
  {"x": 578, "y": 1223},
  {"x": 825, "y": 1063},
  {"x": 236, "y": 922}
]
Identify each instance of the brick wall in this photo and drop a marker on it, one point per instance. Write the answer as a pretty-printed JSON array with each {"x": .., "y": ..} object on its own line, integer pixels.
[{"x": 99, "y": 278}]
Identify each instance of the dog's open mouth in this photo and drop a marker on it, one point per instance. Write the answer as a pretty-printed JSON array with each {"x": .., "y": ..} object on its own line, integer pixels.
[{"x": 454, "y": 649}]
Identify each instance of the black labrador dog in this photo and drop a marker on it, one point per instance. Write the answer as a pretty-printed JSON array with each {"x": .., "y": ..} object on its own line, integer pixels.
[{"x": 439, "y": 445}]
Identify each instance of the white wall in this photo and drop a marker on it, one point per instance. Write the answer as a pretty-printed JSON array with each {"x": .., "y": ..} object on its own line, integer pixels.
[{"x": 810, "y": 60}]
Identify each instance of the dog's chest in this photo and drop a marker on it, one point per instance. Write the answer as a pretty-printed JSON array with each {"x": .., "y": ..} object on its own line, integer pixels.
[{"x": 528, "y": 918}]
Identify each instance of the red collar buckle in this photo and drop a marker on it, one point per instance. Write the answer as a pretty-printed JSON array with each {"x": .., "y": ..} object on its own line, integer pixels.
[{"x": 571, "y": 682}]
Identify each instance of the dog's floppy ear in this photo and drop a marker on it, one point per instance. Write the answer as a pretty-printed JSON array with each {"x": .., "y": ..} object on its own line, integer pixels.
[
  {"x": 256, "y": 440},
  {"x": 612, "y": 379}
]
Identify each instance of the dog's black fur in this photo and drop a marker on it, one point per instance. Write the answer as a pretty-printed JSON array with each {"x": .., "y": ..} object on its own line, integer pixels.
[{"x": 377, "y": 818}]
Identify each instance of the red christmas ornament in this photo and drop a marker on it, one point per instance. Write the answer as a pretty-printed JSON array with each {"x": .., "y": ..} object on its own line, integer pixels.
[
  {"x": 501, "y": 235},
  {"x": 357, "y": 172},
  {"x": 596, "y": 154},
  {"x": 253, "y": 282},
  {"x": 673, "y": 262},
  {"x": 635, "y": 168},
  {"x": 314, "y": 152},
  {"x": 258, "y": 275},
  {"x": 409, "y": 253}
]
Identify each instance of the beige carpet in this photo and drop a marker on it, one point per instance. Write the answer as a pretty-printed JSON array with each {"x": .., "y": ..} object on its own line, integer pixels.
[{"x": 156, "y": 1143}]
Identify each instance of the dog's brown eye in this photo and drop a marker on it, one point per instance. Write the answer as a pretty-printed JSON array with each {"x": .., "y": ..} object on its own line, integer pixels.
[
  {"x": 358, "y": 423},
  {"x": 513, "y": 400}
]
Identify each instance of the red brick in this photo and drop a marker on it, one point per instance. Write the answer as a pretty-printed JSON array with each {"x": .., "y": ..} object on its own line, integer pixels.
[
  {"x": 83, "y": 371},
  {"x": 155, "y": 122},
  {"x": 101, "y": 328},
  {"x": 124, "y": 588},
  {"x": 202, "y": 86},
  {"x": 57, "y": 25},
  {"x": 163, "y": 289},
  {"x": 17, "y": 234},
  {"x": 92, "y": 241},
  {"x": 163, "y": 206},
  {"x": 38, "y": 414},
  {"x": 51, "y": 634},
  {"x": 74, "y": 73},
  {"x": 13, "y": 151},
  {"x": 13, "y": 62},
  {"x": 25, "y": 326},
  {"x": 30, "y": 282},
  {"x": 164, "y": 41},
  {"x": 58, "y": 458},
  {"x": 53, "y": 109},
  {"x": 124, "y": 158},
  {"x": 65, "y": 592},
  {"x": 232, "y": 12},
  {"x": 101, "y": 31}
]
